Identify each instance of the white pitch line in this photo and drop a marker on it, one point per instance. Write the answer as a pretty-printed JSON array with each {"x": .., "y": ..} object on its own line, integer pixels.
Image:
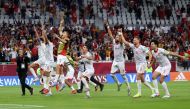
[{"x": 19, "y": 106}]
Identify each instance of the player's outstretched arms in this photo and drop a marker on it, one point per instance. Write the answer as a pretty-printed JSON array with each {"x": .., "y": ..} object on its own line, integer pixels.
[{"x": 176, "y": 55}]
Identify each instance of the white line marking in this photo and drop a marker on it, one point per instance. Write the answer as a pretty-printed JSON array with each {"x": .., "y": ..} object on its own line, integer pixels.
[{"x": 12, "y": 106}]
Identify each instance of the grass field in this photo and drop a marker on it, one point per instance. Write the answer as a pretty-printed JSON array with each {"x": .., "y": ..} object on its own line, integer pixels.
[{"x": 10, "y": 98}]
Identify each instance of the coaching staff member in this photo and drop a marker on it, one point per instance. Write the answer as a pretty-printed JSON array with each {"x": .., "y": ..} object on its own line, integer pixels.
[{"x": 22, "y": 68}]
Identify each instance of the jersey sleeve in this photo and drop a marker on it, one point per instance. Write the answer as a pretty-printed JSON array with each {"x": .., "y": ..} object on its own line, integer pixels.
[
  {"x": 89, "y": 54},
  {"x": 163, "y": 51},
  {"x": 131, "y": 45},
  {"x": 145, "y": 49}
]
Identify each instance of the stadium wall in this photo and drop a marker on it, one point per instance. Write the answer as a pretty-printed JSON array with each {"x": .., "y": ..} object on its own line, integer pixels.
[{"x": 8, "y": 74}]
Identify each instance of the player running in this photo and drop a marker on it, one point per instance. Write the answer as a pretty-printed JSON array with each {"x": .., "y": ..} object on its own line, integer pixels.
[
  {"x": 87, "y": 58},
  {"x": 82, "y": 68},
  {"x": 119, "y": 61},
  {"x": 140, "y": 53},
  {"x": 163, "y": 70}
]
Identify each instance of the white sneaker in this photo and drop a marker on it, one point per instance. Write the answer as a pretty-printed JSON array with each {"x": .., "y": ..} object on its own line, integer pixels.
[
  {"x": 155, "y": 95},
  {"x": 166, "y": 96},
  {"x": 49, "y": 94},
  {"x": 87, "y": 96},
  {"x": 62, "y": 86}
]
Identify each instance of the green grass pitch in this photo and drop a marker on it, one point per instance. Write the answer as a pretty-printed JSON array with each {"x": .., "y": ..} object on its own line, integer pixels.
[{"x": 110, "y": 98}]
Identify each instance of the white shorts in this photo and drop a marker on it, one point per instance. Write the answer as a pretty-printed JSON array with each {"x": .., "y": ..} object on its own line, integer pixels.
[
  {"x": 118, "y": 66},
  {"x": 62, "y": 59},
  {"x": 41, "y": 62},
  {"x": 88, "y": 73},
  {"x": 165, "y": 70},
  {"x": 70, "y": 72},
  {"x": 48, "y": 66},
  {"x": 141, "y": 67}
]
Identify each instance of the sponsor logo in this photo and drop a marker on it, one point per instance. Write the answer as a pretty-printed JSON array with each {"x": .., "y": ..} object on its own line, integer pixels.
[
  {"x": 14, "y": 81},
  {"x": 132, "y": 78},
  {"x": 180, "y": 76}
]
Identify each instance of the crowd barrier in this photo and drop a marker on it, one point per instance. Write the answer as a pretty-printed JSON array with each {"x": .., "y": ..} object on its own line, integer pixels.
[{"x": 8, "y": 74}]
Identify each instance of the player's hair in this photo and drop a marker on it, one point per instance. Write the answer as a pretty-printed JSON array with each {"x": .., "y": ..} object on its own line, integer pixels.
[
  {"x": 137, "y": 37},
  {"x": 68, "y": 33},
  {"x": 88, "y": 44},
  {"x": 155, "y": 42}
]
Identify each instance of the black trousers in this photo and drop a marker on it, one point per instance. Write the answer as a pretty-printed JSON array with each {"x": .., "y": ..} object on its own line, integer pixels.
[{"x": 22, "y": 79}]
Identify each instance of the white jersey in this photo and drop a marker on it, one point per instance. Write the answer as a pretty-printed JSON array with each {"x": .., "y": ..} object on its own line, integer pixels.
[
  {"x": 41, "y": 50},
  {"x": 139, "y": 53},
  {"x": 88, "y": 63},
  {"x": 118, "y": 50},
  {"x": 161, "y": 57},
  {"x": 49, "y": 52},
  {"x": 81, "y": 66}
]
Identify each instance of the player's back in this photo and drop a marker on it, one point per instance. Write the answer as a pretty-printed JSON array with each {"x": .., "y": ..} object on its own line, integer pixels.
[
  {"x": 41, "y": 50},
  {"x": 49, "y": 52}
]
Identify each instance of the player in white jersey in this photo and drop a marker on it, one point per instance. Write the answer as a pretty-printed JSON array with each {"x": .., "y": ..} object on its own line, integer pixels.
[
  {"x": 87, "y": 58},
  {"x": 119, "y": 61},
  {"x": 163, "y": 70},
  {"x": 41, "y": 56},
  {"x": 81, "y": 69},
  {"x": 49, "y": 64},
  {"x": 140, "y": 53}
]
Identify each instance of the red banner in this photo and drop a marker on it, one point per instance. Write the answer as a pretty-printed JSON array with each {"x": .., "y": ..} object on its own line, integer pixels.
[{"x": 101, "y": 68}]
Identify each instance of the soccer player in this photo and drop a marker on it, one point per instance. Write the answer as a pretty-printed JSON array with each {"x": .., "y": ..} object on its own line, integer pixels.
[
  {"x": 89, "y": 69},
  {"x": 81, "y": 69},
  {"x": 41, "y": 56},
  {"x": 62, "y": 59},
  {"x": 119, "y": 61},
  {"x": 140, "y": 53},
  {"x": 163, "y": 70},
  {"x": 48, "y": 68}
]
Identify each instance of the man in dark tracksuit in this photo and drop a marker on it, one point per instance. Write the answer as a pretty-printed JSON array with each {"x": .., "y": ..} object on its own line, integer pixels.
[{"x": 22, "y": 68}]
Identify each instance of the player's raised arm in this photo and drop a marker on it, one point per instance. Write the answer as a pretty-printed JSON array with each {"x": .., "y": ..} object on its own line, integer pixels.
[
  {"x": 62, "y": 40},
  {"x": 122, "y": 37},
  {"x": 37, "y": 35},
  {"x": 44, "y": 35},
  {"x": 61, "y": 26},
  {"x": 108, "y": 28}
]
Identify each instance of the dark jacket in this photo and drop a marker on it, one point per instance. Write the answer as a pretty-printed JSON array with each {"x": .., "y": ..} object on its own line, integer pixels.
[{"x": 22, "y": 65}]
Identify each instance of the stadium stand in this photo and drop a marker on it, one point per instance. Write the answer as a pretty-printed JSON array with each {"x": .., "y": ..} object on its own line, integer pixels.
[{"x": 166, "y": 20}]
